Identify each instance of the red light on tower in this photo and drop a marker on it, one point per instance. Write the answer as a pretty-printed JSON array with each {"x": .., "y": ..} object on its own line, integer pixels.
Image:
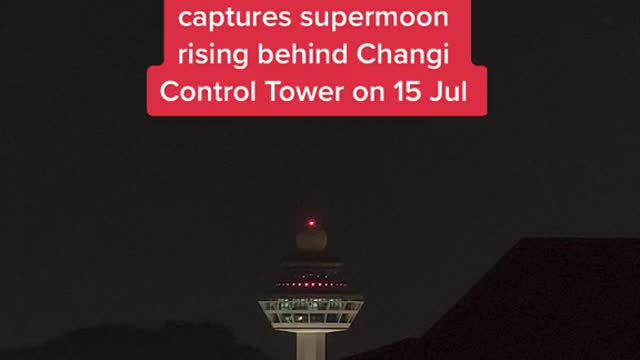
[{"x": 311, "y": 223}]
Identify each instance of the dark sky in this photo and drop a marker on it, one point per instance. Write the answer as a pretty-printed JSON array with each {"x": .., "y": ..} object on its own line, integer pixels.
[{"x": 112, "y": 216}]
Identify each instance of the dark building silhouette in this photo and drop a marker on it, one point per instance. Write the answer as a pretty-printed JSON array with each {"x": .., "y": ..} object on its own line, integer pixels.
[
  {"x": 174, "y": 341},
  {"x": 553, "y": 298}
]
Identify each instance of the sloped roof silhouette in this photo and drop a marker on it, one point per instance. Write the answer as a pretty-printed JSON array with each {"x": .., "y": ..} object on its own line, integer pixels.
[{"x": 547, "y": 298}]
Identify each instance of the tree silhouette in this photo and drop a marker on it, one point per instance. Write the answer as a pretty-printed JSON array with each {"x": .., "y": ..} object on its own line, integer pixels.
[{"x": 175, "y": 340}]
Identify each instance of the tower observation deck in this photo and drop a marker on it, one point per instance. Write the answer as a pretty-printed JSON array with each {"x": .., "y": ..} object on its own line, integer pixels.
[{"x": 311, "y": 297}]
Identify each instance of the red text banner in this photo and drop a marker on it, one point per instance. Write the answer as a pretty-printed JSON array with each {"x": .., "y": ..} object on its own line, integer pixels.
[{"x": 317, "y": 58}]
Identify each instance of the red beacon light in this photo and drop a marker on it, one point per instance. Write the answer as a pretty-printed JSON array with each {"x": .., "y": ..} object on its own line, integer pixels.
[{"x": 311, "y": 223}]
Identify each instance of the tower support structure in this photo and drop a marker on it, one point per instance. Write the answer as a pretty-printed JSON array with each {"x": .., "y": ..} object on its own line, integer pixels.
[{"x": 310, "y": 346}]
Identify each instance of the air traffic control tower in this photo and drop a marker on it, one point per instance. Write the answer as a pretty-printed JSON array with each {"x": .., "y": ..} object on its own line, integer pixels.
[{"x": 311, "y": 298}]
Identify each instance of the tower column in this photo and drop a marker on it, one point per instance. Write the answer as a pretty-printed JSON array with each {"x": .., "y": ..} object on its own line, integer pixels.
[{"x": 310, "y": 346}]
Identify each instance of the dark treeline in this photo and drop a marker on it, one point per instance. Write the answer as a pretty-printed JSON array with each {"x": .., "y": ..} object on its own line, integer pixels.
[{"x": 175, "y": 340}]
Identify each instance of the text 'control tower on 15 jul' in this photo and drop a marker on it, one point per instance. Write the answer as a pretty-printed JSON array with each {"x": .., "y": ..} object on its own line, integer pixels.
[{"x": 311, "y": 298}]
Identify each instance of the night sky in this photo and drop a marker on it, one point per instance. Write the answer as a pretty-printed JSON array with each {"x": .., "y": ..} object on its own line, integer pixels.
[{"x": 111, "y": 216}]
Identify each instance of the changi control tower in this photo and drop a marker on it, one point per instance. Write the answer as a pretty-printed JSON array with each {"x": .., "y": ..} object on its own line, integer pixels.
[{"x": 311, "y": 298}]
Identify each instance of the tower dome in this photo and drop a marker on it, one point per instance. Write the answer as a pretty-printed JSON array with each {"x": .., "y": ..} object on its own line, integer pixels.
[{"x": 311, "y": 240}]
